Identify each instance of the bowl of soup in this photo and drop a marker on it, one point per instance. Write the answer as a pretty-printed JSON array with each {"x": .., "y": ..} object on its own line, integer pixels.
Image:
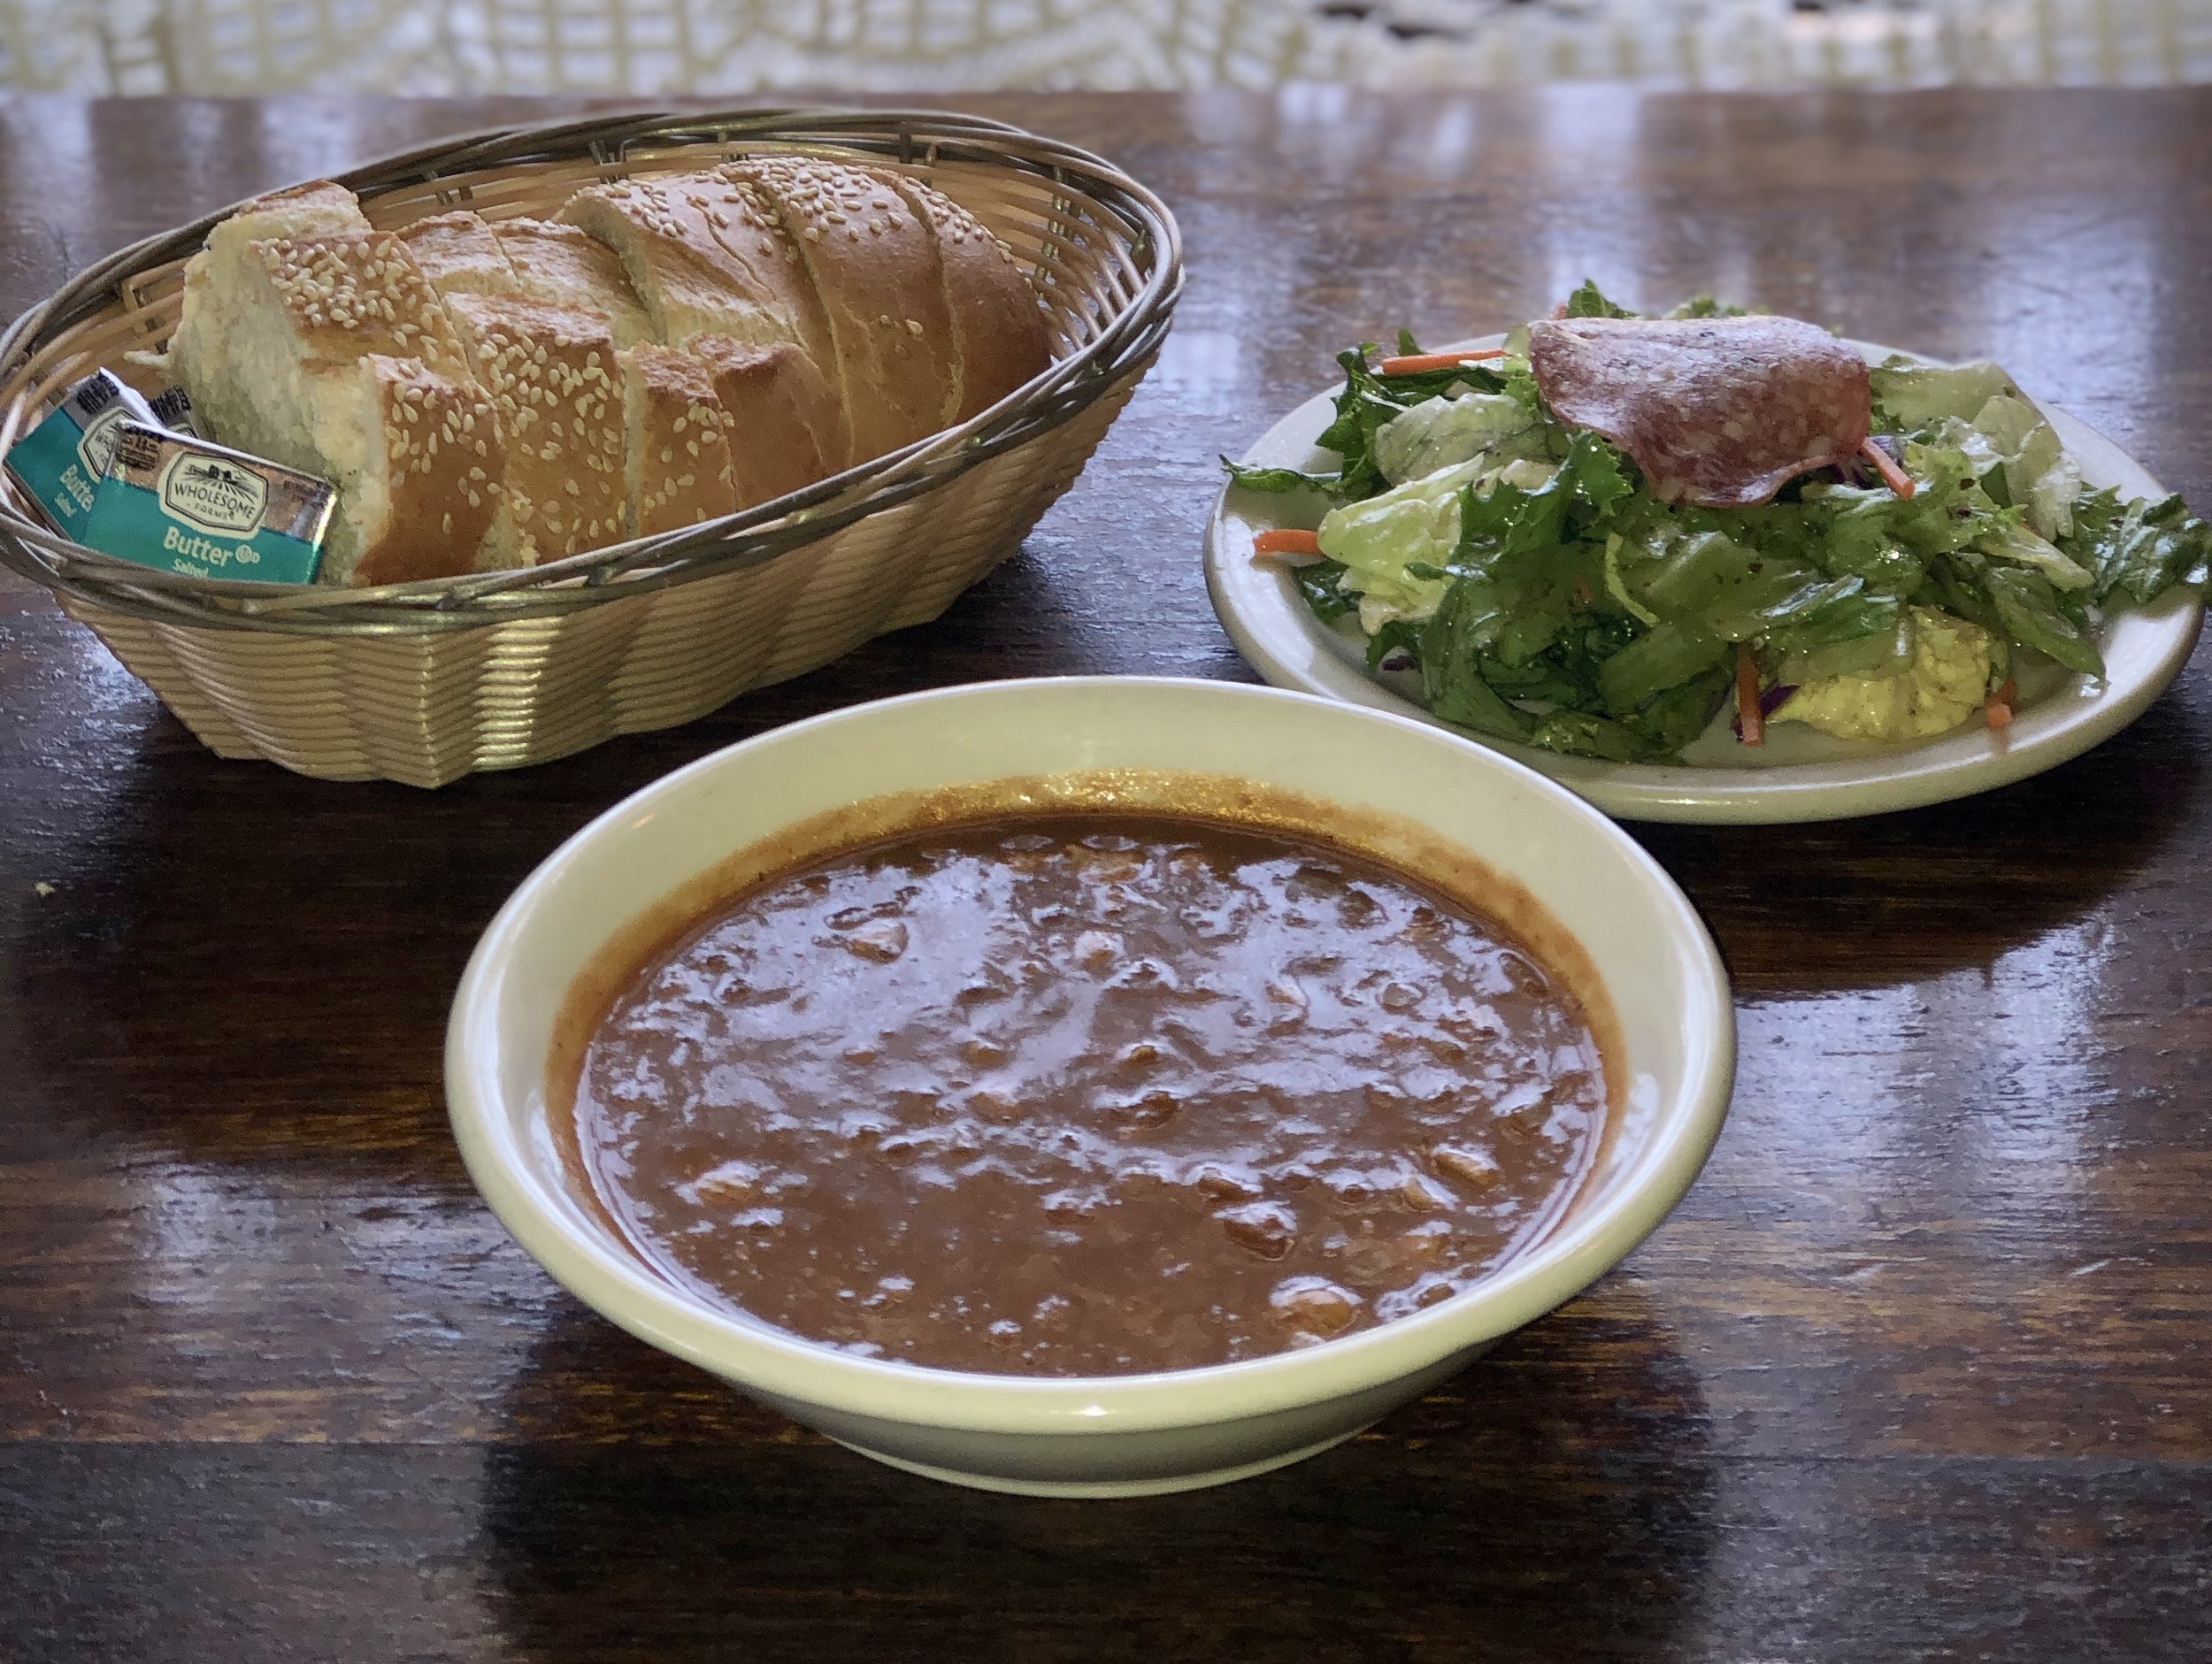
[{"x": 1093, "y": 1085}]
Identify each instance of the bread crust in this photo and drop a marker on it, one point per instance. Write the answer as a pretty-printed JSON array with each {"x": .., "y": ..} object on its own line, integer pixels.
[
  {"x": 567, "y": 266},
  {"x": 346, "y": 295},
  {"x": 316, "y": 209},
  {"x": 874, "y": 261},
  {"x": 702, "y": 258},
  {"x": 460, "y": 254},
  {"x": 999, "y": 331},
  {"x": 441, "y": 458},
  {"x": 550, "y": 374},
  {"x": 677, "y": 453},
  {"x": 780, "y": 416}
]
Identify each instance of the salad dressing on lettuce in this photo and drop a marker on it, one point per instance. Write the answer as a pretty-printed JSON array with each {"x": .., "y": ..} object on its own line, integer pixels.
[{"x": 1544, "y": 589}]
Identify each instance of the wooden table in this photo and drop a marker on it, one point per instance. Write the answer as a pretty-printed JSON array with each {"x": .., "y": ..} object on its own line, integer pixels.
[{"x": 1919, "y": 1371}]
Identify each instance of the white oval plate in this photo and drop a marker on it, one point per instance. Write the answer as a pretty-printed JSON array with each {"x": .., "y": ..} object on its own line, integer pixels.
[{"x": 1799, "y": 774}]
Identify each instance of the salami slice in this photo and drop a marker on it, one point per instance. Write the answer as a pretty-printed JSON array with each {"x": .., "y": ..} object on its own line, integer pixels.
[{"x": 1721, "y": 412}]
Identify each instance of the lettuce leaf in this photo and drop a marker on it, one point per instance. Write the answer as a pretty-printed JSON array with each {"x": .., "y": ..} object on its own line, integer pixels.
[
  {"x": 1452, "y": 652},
  {"x": 1602, "y": 480},
  {"x": 2138, "y": 550},
  {"x": 1910, "y": 396},
  {"x": 1280, "y": 479},
  {"x": 2028, "y": 612},
  {"x": 1589, "y": 302},
  {"x": 1442, "y": 433},
  {"x": 1706, "y": 306},
  {"x": 1320, "y": 583},
  {"x": 1379, "y": 539},
  {"x": 2009, "y": 540},
  {"x": 1664, "y": 656},
  {"x": 2040, "y": 478},
  {"x": 1371, "y": 401}
]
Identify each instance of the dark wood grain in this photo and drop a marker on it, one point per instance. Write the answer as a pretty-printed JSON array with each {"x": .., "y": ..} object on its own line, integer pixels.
[{"x": 1919, "y": 1371}]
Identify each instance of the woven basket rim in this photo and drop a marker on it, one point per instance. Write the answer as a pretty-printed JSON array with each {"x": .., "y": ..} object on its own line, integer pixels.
[{"x": 1124, "y": 340}]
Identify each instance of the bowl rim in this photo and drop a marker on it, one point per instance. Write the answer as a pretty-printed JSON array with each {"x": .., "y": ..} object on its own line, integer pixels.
[{"x": 617, "y": 1284}]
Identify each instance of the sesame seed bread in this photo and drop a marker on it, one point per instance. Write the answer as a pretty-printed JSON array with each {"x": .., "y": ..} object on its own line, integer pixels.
[
  {"x": 781, "y": 415},
  {"x": 567, "y": 266},
  {"x": 874, "y": 261},
  {"x": 490, "y": 393},
  {"x": 999, "y": 338},
  {"x": 460, "y": 254},
  {"x": 676, "y": 452},
  {"x": 549, "y": 373}
]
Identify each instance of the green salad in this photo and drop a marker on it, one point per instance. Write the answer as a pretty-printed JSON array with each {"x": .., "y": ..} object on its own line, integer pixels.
[{"x": 1526, "y": 571}]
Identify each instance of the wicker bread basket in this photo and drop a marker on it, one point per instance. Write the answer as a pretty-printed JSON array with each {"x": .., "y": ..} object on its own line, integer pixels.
[{"x": 425, "y": 682}]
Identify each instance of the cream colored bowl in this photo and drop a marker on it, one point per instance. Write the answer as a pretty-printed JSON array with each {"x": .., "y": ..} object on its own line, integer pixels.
[{"x": 1114, "y": 1435}]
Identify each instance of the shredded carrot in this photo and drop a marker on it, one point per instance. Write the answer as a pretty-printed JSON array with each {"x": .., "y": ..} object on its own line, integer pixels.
[
  {"x": 1413, "y": 364},
  {"x": 1286, "y": 540},
  {"x": 1751, "y": 721},
  {"x": 1998, "y": 706},
  {"x": 1895, "y": 478}
]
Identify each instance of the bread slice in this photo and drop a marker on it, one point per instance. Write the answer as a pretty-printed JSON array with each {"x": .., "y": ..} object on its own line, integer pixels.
[
  {"x": 1000, "y": 337},
  {"x": 676, "y": 449},
  {"x": 780, "y": 414},
  {"x": 280, "y": 342},
  {"x": 874, "y": 261},
  {"x": 705, "y": 258},
  {"x": 550, "y": 372},
  {"x": 316, "y": 209},
  {"x": 460, "y": 254},
  {"x": 417, "y": 459},
  {"x": 567, "y": 266}
]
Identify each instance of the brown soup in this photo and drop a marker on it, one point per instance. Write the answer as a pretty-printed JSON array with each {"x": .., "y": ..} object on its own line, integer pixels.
[{"x": 1077, "y": 1094}]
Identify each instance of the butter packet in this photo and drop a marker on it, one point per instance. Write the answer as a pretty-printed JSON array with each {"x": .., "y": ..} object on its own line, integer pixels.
[
  {"x": 183, "y": 505},
  {"x": 61, "y": 460},
  {"x": 172, "y": 410}
]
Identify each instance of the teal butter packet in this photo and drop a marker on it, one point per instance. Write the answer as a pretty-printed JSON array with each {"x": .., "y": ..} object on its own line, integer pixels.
[
  {"x": 60, "y": 462},
  {"x": 183, "y": 505}
]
